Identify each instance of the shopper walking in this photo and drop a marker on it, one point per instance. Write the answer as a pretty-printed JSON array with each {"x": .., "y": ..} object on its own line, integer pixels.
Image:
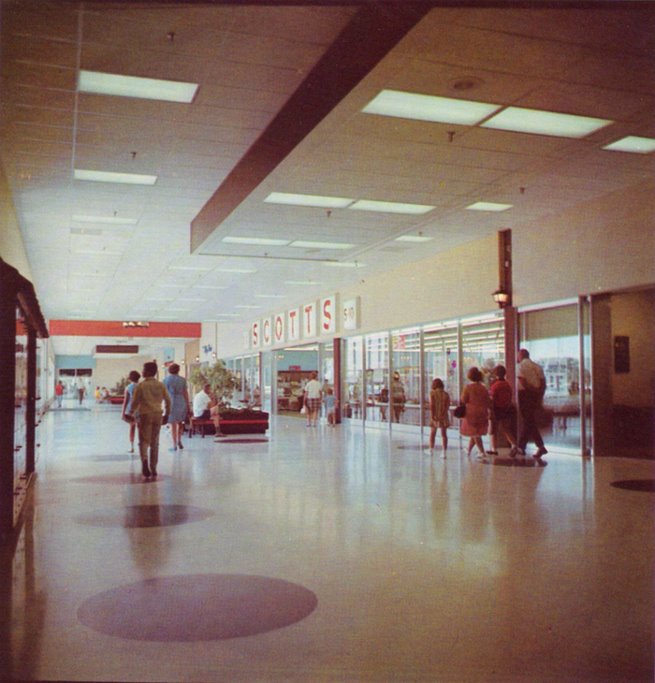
[
  {"x": 475, "y": 423},
  {"x": 177, "y": 390},
  {"x": 439, "y": 416},
  {"x": 532, "y": 387},
  {"x": 503, "y": 412},
  {"x": 133, "y": 378},
  {"x": 147, "y": 404},
  {"x": 312, "y": 399}
]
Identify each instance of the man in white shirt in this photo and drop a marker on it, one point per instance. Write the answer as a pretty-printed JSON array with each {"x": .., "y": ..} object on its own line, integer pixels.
[
  {"x": 312, "y": 399},
  {"x": 206, "y": 408},
  {"x": 532, "y": 386}
]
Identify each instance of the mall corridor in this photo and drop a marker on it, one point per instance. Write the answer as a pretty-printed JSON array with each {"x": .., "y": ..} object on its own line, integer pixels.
[{"x": 327, "y": 554}]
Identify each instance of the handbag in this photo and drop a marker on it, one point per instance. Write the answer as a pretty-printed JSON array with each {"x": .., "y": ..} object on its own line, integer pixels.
[{"x": 460, "y": 411}]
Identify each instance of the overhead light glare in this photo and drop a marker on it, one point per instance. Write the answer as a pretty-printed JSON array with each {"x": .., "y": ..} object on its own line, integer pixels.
[
  {"x": 308, "y": 244},
  {"x": 210, "y": 287},
  {"x": 343, "y": 264},
  {"x": 270, "y": 296},
  {"x": 202, "y": 269},
  {"x": 248, "y": 306},
  {"x": 319, "y": 201},
  {"x": 489, "y": 206},
  {"x": 236, "y": 270},
  {"x": 111, "y": 177},
  {"x": 413, "y": 238},
  {"x": 538, "y": 122},
  {"x": 259, "y": 241},
  {"x": 100, "y": 83},
  {"x": 632, "y": 143},
  {"x": 390, "y": 207},
  {"x": 105, "y": 220},
  {"x": 407, "y": 105},
  {"x": 301, "y": 282}
]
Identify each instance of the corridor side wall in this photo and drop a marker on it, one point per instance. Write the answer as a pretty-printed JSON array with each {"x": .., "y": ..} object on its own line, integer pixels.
[{"x": 601, "y": 246}]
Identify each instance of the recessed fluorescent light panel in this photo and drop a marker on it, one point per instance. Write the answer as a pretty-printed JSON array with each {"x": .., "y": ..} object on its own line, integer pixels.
[
  {"x": 133, "y": 86},
  {"x": 489, "y": 206},
  {"x": 634, "y": 144},
  {"x": 105, "y": 220},
  {"x": 308, "y": 244},
  {"x": 248, "y": 306},
  {"x": 270, "y": 296},
  {"x": 308, "y": 200},
  {"x": 109, "y": 177},
  {"x": 390, "y": 207},
  {"x": 227, "y": 315},
  {"x": 236, "y": 270},
  {"x": 413, "y": 238},
  {"x": 209, "y": 287},
  {"x": 202, "y": 269},
  {"x": 520, "y": 120},
  {"x": 343, "y": 264},
  {"x": 407, "y": 105},
  {"x": 258, "y": 241},
  {"x": 301, "y": 282}
]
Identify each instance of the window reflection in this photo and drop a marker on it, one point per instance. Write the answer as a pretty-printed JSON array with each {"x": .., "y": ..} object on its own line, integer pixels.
[{"x": 405, "y": 383}]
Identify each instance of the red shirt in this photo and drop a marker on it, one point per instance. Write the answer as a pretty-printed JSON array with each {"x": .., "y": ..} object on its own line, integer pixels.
[{"x": 501, "y": 394}]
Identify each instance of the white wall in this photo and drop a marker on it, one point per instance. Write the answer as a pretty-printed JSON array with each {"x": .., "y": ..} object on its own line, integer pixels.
[
  {"x": 109, "y": 371},
  {"x": 12, "y": 249},
  {"x": 601, "y": 246}
]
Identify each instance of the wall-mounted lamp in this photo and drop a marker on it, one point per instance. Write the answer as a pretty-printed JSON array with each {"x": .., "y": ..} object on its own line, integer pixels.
[{"x": 501, "y": 297}]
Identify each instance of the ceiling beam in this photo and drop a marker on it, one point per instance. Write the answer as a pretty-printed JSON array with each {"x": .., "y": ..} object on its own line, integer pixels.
[{"x": 369, "y": 36}]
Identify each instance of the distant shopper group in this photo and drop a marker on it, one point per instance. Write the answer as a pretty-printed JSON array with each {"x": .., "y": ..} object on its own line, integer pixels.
[{"x": 492, "y": 411}]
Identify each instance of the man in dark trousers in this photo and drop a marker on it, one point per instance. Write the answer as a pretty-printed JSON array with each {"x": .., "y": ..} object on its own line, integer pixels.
[{"x": 532, "y": 387}]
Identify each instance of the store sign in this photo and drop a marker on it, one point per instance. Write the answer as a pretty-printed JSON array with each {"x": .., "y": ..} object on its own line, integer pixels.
[
  {"x": 327, "y": 316},
  {"x": 314, "y": 319},
  {"x": 267, "y": 331},
  {"x": 350, "y": 314},
  {"x": 293, "y": 324},
  {"x": 309, "y": 320},
  {"x": 278, "y": 328},
  {"x": 254, "y": 335}
]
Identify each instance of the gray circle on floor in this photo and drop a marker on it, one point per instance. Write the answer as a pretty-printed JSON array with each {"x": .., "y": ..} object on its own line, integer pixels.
[{"x": 197, "y": 607}]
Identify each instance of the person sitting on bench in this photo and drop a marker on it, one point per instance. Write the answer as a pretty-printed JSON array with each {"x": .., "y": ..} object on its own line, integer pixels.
[{"x": 205, "y": 407}]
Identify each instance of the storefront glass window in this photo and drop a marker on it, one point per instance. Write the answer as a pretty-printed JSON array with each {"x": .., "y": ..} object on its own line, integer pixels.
[
  {"x": 405, "y": 382},
  {"x": 483, "y": 345},
  {"x": 440, "y": 352},
  {"x": 353, "y": 378},
  {"x": 377, "y": 378},
  {"x": 551, "y": 337}
]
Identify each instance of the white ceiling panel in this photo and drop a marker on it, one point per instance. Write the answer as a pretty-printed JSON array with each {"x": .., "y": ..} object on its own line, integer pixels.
[{"x": 248, "y": 61}]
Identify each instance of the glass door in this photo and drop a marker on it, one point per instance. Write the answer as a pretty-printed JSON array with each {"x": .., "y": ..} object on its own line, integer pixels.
[
  {"x": 377, "y": 378},
  {"x": 353, "y": 373},
  {"x": 405, "y": 383},
  {"x": 551, "y": 336},
  {"x": 440, "y": 350}
]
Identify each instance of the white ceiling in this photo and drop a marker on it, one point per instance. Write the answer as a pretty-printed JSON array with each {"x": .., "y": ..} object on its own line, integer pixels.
[{"x": 248, "y": 60}]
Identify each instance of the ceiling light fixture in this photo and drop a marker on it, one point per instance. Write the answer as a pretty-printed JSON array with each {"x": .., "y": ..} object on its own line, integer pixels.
[
  {"x": 343, "y": 264},
  {"x": 320, "y": 201},
  {"x": 390, "y": 207},
  {"x": 99, "y": 83},
  {"x": 538, "y": 122},
  {"x": 105, "y": 220},
  {"x": 236, "y": 270},
  {"x": 301, "y": 282},
  {"x": 110, "y": 177},
  {"x": 413, "y": 238},
  {"x": 634, "y": 144},
  {"x": 308, "y": 244},
  {"x": 420, "y": 107},
  {"x": 259, "y": 241},
  {"x": 489, "y": 206}
]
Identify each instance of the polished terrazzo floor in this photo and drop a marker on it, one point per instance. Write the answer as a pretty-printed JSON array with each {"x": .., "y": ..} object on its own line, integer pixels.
[{"x": 327, "y": 554}]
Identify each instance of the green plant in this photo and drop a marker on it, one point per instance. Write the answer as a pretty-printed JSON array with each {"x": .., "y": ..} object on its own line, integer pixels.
[
  {"x": 223, "y": 382},
  {"x": 121, "y": 385}
]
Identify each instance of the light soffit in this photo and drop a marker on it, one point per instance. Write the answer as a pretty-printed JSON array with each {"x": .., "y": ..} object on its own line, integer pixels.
[{"x": 249, "y": 61}]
